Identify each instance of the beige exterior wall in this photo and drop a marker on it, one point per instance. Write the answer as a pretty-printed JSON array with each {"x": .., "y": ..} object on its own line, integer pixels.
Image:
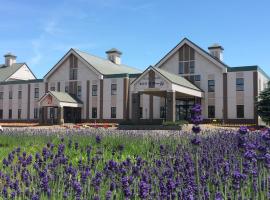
[{"x": 245, "y": 97}]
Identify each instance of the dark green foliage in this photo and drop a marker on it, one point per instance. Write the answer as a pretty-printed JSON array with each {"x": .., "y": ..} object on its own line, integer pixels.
[{"x": 263, "y": 105}]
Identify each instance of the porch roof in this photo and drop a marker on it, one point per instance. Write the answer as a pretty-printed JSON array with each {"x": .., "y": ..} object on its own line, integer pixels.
[{"x": 60, "y": 99}]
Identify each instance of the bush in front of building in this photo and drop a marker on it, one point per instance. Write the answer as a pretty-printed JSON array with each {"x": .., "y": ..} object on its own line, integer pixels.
[
  {"x": 176, "y": 123},
  {"x": 263, "y": 105}
]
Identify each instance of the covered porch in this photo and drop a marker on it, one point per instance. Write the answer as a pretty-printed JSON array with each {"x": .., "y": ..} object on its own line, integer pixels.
[
  {"x": 177, "y": 95},
  {"x": 59, "y": 108}
]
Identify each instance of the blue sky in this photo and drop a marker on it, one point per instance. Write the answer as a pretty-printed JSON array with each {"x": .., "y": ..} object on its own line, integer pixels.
[{"x": 41, "y": 32}]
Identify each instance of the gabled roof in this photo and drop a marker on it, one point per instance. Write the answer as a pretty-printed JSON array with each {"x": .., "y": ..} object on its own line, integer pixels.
[
  {"x": 106, "y": 67},
  {"x": 64, "y": 97},
  {"x": 100, "y": 65},
  {"x": 196, "y": 47},
  {"x": 178, "y": 80},
  {"x": 173, "y": 78},
  {"x": 6, "y": 72}
]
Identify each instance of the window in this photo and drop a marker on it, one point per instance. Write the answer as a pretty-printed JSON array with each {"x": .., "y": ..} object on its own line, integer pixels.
[
  {"x": 141, "y": 112},
  {"x": 10, "y": 94},
  {"x": 192, "y": 67},
  {"x": 58, "y": 87},
  {"x": 35, "y": 113},
  {"x": 240, "y": 111},
  {"x": 52, "y": 88},
  {"x": 113, "y": 112},
  {"x": 94, "y": 112},
  {"x": 162, "y": 112},
  {"x": 239, "y": 84},
  {"x": 19, "y": 113},
  {"x": 19, "y": 94},
  {"x": 36, "y": 95},
  {"x": 1, "y": 95},
  {"x": 79, "y": 91},
  {"x": 94, "y": 90},
  {"x": 197, "y": 77},
  {"x": 211, "y": 85},
  {"x": 1, "y": 114},
  {"x": 181, "y": 68},
  {"x": 113, "y": 89},
  {"x": 66, "y": 88},
  {"x": 211, "y": 111},
  {"x": 192, "y": 79},
  {"x": 73, "y": 74},
  {"x": 10, "y": 114},
  {"x": 51, "y": 113}
]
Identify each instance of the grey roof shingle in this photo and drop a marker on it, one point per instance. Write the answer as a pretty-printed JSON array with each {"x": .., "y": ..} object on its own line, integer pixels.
[
  {"x": 105, "y": 66},
  {"x": 64, "y": 97},
  {"x": 177, "y": 79},
  {"x": 6, "y": 72}
]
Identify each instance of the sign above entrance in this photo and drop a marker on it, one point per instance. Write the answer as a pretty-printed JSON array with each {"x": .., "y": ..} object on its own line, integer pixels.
[{"x": 155, "y": 83}]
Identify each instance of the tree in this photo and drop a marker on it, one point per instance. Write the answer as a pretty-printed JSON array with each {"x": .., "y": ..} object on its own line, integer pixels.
[{"x": 263, "y": 104}]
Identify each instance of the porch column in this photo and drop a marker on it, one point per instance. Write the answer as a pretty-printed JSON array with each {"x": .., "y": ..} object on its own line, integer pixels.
[
  {"x": 170, "y": 111},
  {"x": 60, "y": 115},
  {"x": 151, "y": 107},
  {"x": 135, "y": 107}
]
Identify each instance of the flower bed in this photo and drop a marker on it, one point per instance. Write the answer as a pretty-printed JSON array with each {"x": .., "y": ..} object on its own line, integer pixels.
[{"x": 113, "y": 164}]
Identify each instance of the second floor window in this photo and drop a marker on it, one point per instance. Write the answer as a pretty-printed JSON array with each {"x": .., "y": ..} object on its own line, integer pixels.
[
  {"x": 211, "y": 85},
  {"x": 36, "y": 95},
  {"x": 10, "y": 95},
  {"x": 1, "y": 95},
  {"x": 113, "y": 89},
  {"x": 239, "y": 84},
  {"x": 94, "y": 90},
  {"x": 19, "y": 94},
  {"x": 52, "y": 88},
  {"x": 79, "y": 91}
]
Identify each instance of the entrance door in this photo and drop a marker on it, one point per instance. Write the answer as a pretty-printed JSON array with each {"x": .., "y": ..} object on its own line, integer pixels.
[
  {"x": 72, "y": 115},
  {"x": 183, "y": 109}
]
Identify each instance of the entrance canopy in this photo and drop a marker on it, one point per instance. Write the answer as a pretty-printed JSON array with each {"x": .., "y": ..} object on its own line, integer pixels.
[
  {"x": 157, "y": 81},
  {"x": 59, "y": 99}
]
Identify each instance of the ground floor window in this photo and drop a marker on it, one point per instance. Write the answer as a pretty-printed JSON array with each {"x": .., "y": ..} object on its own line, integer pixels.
[
  {"x": 162, "y": 112},
  {"x": 141, "y": 112},
  {"x": 94, "y": 112},
  {"x": 211, "y": 111},
  {"x": 19, "y": 113},
  {"x": 35, "y": 113},
  {"x": 113, "y": 112},
  {"x": 1, "y": 114},
  {"x": 240, "y": 111},
  {"x": 10, "y": 114}
]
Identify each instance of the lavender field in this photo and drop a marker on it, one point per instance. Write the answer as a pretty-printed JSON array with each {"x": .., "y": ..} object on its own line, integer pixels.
[{"x": 217, "y": 164}]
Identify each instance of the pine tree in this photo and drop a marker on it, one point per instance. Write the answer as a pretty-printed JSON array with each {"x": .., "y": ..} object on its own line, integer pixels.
[{"x": 263, "y": 105}]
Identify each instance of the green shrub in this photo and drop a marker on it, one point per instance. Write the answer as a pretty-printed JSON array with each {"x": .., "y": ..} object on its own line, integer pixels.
[{"x": 176, "y": 123}]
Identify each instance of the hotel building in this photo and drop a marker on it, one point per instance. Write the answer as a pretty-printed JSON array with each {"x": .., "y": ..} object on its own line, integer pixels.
[{"x": 82, "y": 87}]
